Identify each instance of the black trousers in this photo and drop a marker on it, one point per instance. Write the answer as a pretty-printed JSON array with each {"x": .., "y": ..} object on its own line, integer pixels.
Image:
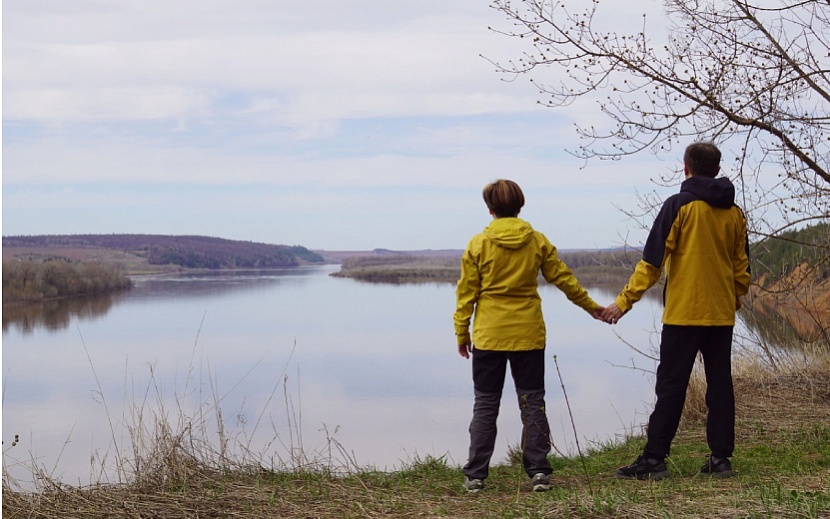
[
  {"x": 528, "y": 371},
  {"x": 679, "y": 346}
]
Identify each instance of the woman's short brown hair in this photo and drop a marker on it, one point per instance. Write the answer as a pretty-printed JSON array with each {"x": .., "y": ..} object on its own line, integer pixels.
[{"x": 504, "y": 198}]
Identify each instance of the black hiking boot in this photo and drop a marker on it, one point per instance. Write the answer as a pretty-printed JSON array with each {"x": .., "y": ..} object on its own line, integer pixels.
[
  {"x": 717, "y": 467},
  {"x": 644, "y": 468}
]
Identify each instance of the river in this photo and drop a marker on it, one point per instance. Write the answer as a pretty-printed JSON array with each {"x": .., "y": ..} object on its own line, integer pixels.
[{"x": 292, "y": 367}]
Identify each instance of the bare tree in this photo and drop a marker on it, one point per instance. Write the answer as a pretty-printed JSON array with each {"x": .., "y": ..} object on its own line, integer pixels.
[{"x": 753, "y": 78}]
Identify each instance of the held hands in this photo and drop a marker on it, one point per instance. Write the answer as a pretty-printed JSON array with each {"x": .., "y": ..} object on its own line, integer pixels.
[{"x": 610, "y": 314}]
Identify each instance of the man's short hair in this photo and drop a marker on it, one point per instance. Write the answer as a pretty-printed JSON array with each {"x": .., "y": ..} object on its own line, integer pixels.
[
  {"x": 504, "y": 198},
  {"x": 702, "y": 159}
]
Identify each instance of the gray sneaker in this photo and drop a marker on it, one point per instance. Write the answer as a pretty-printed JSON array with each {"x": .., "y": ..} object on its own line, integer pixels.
[
  {"x": 540, "y": 482},
  {"x": 473, "y": 486}
]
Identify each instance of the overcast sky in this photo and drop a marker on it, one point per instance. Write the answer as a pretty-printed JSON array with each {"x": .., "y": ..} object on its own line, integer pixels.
[{"x": 333, "y": 125}]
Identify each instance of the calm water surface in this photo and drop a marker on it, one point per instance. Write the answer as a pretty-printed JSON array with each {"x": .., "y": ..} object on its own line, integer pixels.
[{"x": 293, "y": 359}]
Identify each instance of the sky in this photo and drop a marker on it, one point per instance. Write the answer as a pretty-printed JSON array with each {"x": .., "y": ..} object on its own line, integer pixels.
[{"x": 332, "y": 125}]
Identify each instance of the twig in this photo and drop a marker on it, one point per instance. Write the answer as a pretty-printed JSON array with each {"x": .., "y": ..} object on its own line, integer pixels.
[
  {"x": 274, "y": 390},
  {"x": 631, "y": 367},
  {"x": 573, "y": 424},
  {"x": 644, "y": 354},
  {"x": 5, "y": 380},
  {"x": 193, "y": 355},
  {"x": 103, "y": 397}
]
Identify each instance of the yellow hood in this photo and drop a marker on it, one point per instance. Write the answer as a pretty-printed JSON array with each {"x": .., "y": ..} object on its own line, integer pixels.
[{"x": 510, "y": 233}]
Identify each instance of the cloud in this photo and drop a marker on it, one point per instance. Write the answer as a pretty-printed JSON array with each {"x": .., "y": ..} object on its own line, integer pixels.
[
  {"x": 389, "y": 68},
  {"x": 240, "y": 113}
]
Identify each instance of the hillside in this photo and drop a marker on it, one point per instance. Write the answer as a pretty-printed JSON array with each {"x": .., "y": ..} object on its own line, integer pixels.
[
  {"x": 138, "y": 252},
  {"x": 779, "y": 256},
  {"x": 791, "y": 278}
]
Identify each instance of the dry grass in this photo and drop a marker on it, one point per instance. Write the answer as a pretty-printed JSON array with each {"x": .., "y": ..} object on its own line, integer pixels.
[
  {"x": 774, "y": 382},
  {"x": 779, "y": 402}
]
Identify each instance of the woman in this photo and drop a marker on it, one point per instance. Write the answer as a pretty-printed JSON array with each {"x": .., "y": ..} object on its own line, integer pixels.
[{"x": 498, "y": 285}]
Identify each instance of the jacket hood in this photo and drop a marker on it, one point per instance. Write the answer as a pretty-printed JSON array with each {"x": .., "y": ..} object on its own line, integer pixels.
[
  {"x": 510, "y": 233},
  {"x": 717, "y": 192}
]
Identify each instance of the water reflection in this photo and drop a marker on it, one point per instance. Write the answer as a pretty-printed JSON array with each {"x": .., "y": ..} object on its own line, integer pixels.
[
  {"x": 55, "y": 315},
  {"x": 194, "y": 285},
  {"x": 778, "y": 340},
  {"x": 790, "y": 331}
]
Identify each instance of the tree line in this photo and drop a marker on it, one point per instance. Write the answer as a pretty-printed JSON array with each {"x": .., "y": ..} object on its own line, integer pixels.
[
  {"x": 30, "y": 281},
  {"x": 185, "y": 251},
  {"x": 592, "y": 267}
]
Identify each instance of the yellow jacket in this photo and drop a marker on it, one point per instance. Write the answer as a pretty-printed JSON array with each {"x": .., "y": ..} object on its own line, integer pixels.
[
  {"x": 699, "y": 238},
  {"x": 499, "y": 271}
]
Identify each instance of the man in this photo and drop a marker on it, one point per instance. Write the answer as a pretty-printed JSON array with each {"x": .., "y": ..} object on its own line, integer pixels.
[{"x": 700, "y": 240}]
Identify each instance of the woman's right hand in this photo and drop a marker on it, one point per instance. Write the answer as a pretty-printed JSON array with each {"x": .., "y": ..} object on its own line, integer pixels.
[{"x": 465, "y": 349}]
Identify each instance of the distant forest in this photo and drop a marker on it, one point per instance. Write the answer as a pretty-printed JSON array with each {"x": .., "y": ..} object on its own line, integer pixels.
[
  {"x": 772, "y": 259},
  {"x": 592, "y": 267},
  {"x": 185, "y": 251}
]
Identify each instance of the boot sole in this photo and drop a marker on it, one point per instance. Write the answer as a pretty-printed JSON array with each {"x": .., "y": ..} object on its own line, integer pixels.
[
  {"x": 649, "y": 476},
  {"x": 724, "y": 474}
]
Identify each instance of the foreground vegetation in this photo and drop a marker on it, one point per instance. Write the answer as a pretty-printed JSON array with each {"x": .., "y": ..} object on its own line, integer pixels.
[
  {"x": 30, "y": 281},
  {"x": 782, "y": 459}
]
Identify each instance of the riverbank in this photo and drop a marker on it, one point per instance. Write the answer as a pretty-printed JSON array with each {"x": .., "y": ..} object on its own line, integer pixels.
[
  {"x": 592, "y": 269},
  {"x": 782, "y": 459}
]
